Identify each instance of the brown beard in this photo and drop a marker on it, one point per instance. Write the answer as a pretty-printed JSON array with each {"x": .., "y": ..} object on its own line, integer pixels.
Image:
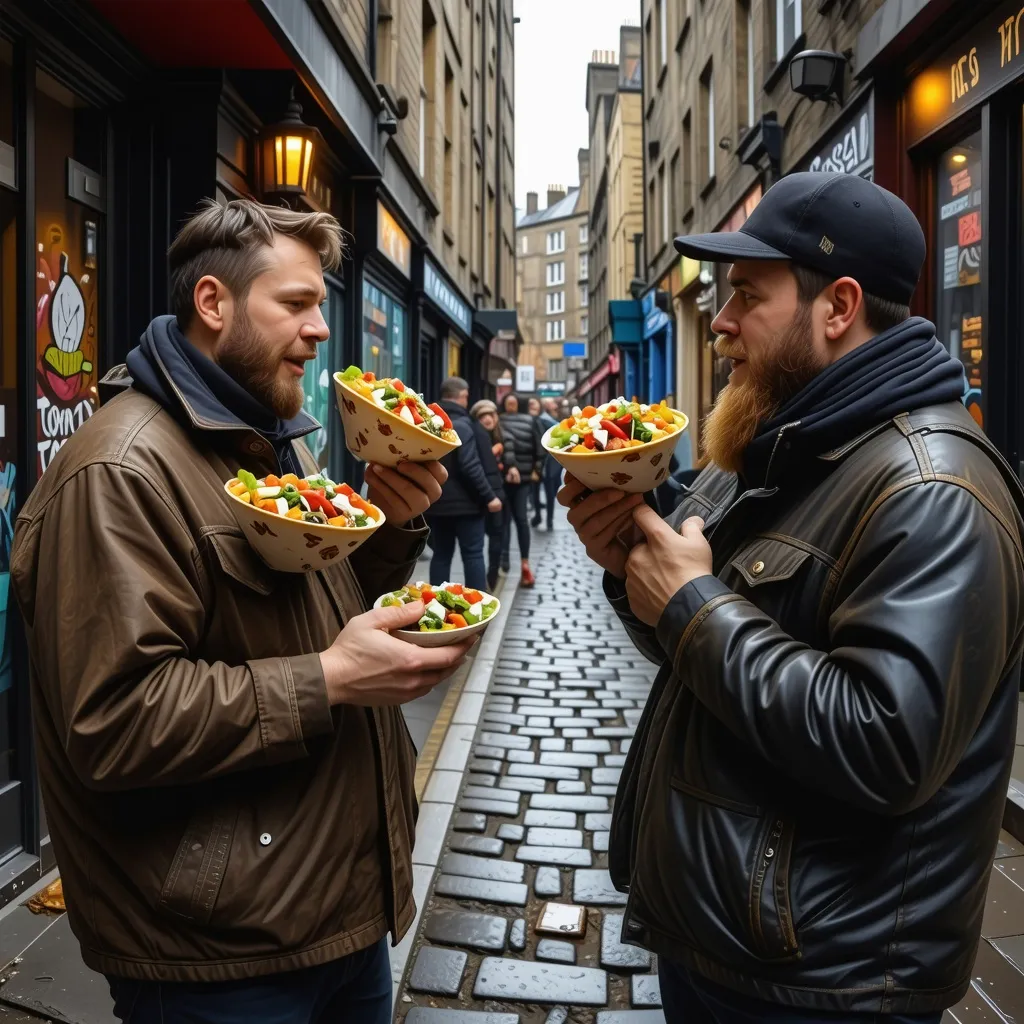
[
  {"x": 786, "y": 365},
  {"x": 248, "y": 357}
]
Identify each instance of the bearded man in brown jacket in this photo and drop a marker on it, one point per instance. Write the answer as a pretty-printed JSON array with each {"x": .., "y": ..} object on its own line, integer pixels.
[{"x": 227, "y": 774}]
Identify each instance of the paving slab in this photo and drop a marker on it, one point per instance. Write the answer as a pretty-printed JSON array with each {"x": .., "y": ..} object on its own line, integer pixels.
[
  {"x": 562, "y": 856},
  {"x": 594, "y": 887},
  {"x": 438, "y": 971},
  {"x": 528, "y": 981},
  {"x": 486, "y": 932},
  {"x": 482, "y": 867},
  {"x": 556, "y": 951},
  {"x": 617, "y": 955},
  {"x": 461, "y": 888},
  {"x": 554, "y": 837}
]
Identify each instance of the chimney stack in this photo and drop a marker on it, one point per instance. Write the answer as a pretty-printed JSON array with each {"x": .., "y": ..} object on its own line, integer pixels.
[
  {"x": 556, "y": 193},
  {"x": 531, "y": 202}
]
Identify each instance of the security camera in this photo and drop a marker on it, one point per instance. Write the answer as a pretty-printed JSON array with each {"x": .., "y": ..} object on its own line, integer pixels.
[{"x": 387, "y": 122}]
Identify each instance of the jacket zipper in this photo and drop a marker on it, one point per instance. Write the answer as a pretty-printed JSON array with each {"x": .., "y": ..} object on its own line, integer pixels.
[
  {"x": 769, "y": 852},
  {"x": 775, "y": 448}
]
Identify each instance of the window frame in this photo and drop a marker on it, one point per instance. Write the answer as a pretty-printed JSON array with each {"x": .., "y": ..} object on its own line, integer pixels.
[{"x": 781, "y": 46}]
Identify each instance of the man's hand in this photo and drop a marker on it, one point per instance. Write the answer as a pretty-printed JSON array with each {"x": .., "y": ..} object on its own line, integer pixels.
[
  {"x": 368, "y": 667},
  {"x": 658, "y": 569},
  {"x": 512, "y": 476},
  {"x": 598, "y": 519},
  {"x": 494, "y": 505},
  {"x": 407, "y": 490}
]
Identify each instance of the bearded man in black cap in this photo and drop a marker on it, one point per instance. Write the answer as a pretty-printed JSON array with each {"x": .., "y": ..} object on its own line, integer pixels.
[{"x": 807, "y": 815}]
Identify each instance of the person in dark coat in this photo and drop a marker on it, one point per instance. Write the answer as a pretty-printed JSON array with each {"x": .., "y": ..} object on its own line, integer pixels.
[
  {"x": 552, "y": 472},
  {"x": 524, "y": 465},
  {"x": 466, "y": 496},
  {"x": 495, "y": 448}
]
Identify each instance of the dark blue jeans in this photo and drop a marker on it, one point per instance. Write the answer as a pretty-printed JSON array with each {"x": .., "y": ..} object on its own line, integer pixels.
[
  {"x": 353, "y": 990},
  {"x": 469, "y": 532},
  {"x": 688, "y": 998}
]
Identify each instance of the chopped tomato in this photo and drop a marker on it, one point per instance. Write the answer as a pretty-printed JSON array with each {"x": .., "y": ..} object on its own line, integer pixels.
[
  {"x": 624, "y": 420},
  {"x": 397, "y": 385},
  {"x": 589, "y": 441},
  {"x": 426, "y": 596},
  {"x": 473, "y": 596},
  {"x": 588, "y": 412},
  {"x": 345, "y": 489},
  {"x": 614, "y": 443},
  {"x": 455, "y": 619},
  {"x": 357, "y": 502},
  {"x": 614, "y": 430},
  {"x": 435, "y": 408},
  {"x": 318, "y": 502},
  {"x": 369, "y": 376},
  {"x": 455, "y": 588}
]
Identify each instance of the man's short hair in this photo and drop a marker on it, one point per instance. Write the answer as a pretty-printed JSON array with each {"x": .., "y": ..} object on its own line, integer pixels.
[
  {"x": 881, "y": 314},
  {"x": 453, "y": 387},
  {"x": 229, "y": 242}
]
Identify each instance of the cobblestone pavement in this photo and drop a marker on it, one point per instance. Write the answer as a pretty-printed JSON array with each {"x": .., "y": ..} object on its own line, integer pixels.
[{"x": 527, "y": 846}]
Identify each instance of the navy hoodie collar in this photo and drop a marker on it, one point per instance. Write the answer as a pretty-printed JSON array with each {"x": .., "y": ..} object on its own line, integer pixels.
[{"x": 901, "y": 370}]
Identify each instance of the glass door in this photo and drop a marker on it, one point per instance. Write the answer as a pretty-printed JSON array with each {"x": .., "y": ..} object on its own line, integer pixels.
[{"x": 317, "y": 384}]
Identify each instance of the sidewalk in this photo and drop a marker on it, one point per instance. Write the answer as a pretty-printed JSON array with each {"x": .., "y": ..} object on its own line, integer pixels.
[{"x": 528, "y": 836}]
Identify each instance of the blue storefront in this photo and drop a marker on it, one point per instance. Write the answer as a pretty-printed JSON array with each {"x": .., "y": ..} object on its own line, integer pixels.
[{"x": 642, "y": 331}]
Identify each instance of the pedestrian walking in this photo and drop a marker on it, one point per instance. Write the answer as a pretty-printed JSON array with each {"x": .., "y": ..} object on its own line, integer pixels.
[
  {"x": 533, "y": 407},
  {"x": 493, "y": 446},
  {"x": 551, "y": 474},
  {"x": 227, "y": 777},
  {"x": 523, "y": 465},
  {"x": 807, "y": 817},
  {"x": 467, "y": 496}
]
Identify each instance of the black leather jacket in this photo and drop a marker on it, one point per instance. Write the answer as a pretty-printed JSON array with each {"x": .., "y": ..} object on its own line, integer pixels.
[{"x": 810, "y": 806}]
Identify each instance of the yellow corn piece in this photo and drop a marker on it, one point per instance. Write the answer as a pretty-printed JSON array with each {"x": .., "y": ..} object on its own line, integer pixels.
[
  {"x": 635, "y": 443},
  {"x": 244, "y": 496},
  {"x": 447, "y": 626},
  {"x": 293, "y": 513}
]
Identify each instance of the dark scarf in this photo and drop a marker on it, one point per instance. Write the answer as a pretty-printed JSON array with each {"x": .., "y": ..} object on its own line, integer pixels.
[
  {"x": 900, "y": 370},
  {"x": 203, "y": 392}
]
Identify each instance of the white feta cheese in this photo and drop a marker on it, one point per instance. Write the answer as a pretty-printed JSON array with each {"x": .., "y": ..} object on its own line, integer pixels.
[
  {"x": 575, "y": 439},
  {"x": 436, "y": 608},
  {"x": 437, "y": 422},
  {"x": 577, "y": 411},
  {"x": 601, "y": 436},
  {"x": 341, "y": 502},
  {"x": 473, "y": 612},
  {"x": 594, "y": 421},
  {"x": 282, "y": 506},
  {"x": 406, "y": 415},
  {"x": 268, "y": 492}
]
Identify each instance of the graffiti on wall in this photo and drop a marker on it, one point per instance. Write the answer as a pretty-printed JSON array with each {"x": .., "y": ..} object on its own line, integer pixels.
[{"x": 66, "y": 340}]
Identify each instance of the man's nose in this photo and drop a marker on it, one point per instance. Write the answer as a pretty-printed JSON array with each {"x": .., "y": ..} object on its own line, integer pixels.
[
  {"x": 315, "y": 328},
  {"x": 725, "y": 322}
]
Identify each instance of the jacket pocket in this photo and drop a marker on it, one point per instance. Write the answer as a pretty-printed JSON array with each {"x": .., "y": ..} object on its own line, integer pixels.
[
  {"x": 768, "y": 560},
  {"x": 238, "y": 560},
  {"x": 193, "y": 882}
]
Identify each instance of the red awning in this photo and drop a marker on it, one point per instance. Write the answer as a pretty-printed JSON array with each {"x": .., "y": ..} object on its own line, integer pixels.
[
  {"x": 608, "y": 366},
  {"x": 196, "y": 33}
]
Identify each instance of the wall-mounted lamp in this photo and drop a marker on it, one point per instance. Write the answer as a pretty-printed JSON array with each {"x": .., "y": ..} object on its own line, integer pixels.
[
  {"x": 818, "y": 74},
  {"x": 289, "y": 148}
]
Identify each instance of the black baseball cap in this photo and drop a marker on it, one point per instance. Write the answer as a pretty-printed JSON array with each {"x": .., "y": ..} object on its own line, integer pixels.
[{"x": 840, "y": 224}]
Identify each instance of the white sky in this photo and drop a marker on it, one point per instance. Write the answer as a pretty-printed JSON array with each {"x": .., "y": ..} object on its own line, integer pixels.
[{"x": 554, "y": 43}]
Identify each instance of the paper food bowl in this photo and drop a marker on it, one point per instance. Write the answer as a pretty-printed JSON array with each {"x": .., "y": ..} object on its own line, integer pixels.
[
  {"x": 378, "y": 435},
  {"x": 290, "y": 545},
  {"x": 442, "y": 638},
  {"x": 634, "y": 470}
]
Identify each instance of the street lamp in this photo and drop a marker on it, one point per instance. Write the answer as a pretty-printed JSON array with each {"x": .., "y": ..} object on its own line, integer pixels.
[
  {"x": 817, "y": 74},
  {"x": 288, "y": 151}
]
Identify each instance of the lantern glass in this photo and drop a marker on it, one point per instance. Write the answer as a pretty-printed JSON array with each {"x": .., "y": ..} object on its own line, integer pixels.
[{"x": 288, "y": 152}]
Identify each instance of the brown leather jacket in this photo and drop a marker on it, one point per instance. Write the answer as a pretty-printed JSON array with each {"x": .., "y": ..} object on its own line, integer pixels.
[{"x": 213, "y": 816}]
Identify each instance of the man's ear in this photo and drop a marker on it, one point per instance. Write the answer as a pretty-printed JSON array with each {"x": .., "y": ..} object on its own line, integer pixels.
[
  {"x": 846, "y": 299},
  {"x": 212, "y": 303}
]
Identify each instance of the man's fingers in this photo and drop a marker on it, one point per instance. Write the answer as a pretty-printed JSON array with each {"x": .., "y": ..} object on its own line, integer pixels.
[
  {"x": 650, "y": 522},
  {"x": 422, "y": 475},
  {"x": 570, "y": 491},
  {"x": 394, "y": 617},
  {"x": 442, "y": 659},
  {"x": 436, "y": 470},
  {"x": 592, "y": 504},
  {"x": 408, "y": 477},
  {"x": 692, "y": 527},
  {"x": 607, "y": 523},
  {"x": 390, "y": 496}
]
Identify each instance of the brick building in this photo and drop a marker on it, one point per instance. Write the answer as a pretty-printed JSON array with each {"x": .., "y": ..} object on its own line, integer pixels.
[
  {"x": 553, "y": 279},
  {"x": 721, "y": 122},
  {"x": 614, "y": 106}
]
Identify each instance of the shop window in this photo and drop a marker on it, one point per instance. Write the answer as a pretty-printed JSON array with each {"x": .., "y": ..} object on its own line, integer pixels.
[
  {"x": 960, "y": 271},
  {"x": 383, "y": 333},
  {"x": 70, "y": 143},
  {"x": 316, "y": 382}
]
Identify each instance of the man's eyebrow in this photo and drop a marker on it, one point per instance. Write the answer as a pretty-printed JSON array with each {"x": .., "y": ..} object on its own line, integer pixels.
[
  {"x": 302, "y": 290},
  {"x": 740, "y": 282}
]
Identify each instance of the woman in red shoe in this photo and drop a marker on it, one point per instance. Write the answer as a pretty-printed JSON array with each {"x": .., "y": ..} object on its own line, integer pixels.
[{"x": 522, "y": 466}]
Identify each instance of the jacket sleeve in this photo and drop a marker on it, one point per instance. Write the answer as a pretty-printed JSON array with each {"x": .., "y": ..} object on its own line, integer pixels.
[
  {"x": 925, "y": 623},
  {"x": 469, "y": 466},
  {"x": 538, "y": 449},
  {"x": 114, "y": 607}
]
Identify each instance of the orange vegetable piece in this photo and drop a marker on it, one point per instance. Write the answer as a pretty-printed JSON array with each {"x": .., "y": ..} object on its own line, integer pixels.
[
  {"x": 361, "y": 503},
  {"x": 455, "y": 588},
  {"x": 568, "y": 423},
  {"x": 267, "y": 505},
  {"x": 290, "y": 478},
  {"x": 589, "y": 411},
  {"x": 272, "y": 481},
  {"x": 456, "y": 620},
  {"x": 344, "y": 489},
  {"x": 473, "y": 596},
  {"x": 334, "y": 521},
  {"x": 296, "y": 513}
]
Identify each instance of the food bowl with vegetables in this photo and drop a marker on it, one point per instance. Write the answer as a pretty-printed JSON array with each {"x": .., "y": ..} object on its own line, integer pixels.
[
  {"x": 452, "y": 613},
  {"x": 625, "y": 445},
  {"x": 301, "y": 524},
  {"x": 386, "y": 422}
]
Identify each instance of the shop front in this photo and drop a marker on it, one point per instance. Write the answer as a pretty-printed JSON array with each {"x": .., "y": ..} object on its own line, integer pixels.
[
  {"x": 849, "y": 147},
  {"x": 960, "y": 147},
  {"x": 447, "y": 348}
]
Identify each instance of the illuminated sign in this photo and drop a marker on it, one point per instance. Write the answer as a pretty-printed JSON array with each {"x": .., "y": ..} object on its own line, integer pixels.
[
  {"x": 968, "y": 73},
  {"x": 392, "y": 240}
]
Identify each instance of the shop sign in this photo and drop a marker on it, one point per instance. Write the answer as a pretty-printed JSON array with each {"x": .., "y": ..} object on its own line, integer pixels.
[
  {"x": 654, "y": 319},
  {"x": 525, "y": 377},
  {"x": 504, "y": 382},
  {"x": 550, "y": 388},
  {"x": 851, "y": 149},
  {"x": 689, "y": 271},
  {"x": 984, "y": 60},
  {"x": 574, "y": 349},
  {"x": 392, "y": 241},
  {"x": 443, "y": 296}
]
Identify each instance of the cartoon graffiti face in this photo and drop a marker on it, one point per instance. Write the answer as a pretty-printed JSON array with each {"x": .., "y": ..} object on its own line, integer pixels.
[{"x": 64, "y": 361}]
